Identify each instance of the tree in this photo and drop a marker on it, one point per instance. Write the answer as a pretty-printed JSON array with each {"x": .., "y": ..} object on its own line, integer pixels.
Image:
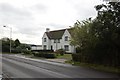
[
  {"x": 6, "y": 44},
  {"x": 107, "y": 25},
  {"x": 83, "y": 37},
  {"x": 16, "y": 43},
  {"x": 99, "y": 39}
]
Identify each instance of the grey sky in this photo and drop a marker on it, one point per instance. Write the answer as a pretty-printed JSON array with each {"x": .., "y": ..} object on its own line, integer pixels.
[{"x": 30, "y": 18}]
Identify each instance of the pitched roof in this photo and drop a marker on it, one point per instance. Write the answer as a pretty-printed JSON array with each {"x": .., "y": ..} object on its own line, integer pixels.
[{"x": 57, "y": 34}]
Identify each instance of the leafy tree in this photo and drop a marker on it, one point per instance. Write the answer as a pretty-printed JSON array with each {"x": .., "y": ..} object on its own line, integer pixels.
[
  {"x": 16, "y": 46},
  {"x": 107, "y": 25},
  {"x": 83, "y": 37},
  {"x": 99, "y": 39},
  {"x": 16, "y": 43},
  {"x": 6, "y": 44},
  {"x": 25, "y": 46}
]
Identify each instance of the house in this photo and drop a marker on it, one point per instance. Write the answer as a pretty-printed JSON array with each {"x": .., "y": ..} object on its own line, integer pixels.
[{"x": 58, "y": 39}]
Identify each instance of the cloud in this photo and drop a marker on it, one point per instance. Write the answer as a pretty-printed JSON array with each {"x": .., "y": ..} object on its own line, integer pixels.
[
  {"x": 39, "y": 8},
  {"x": 30, "y": 18},
  {"x": 84, "y": 8},
  {"x": 10, "y": 14},
  {"x": 20, "y": 18}
]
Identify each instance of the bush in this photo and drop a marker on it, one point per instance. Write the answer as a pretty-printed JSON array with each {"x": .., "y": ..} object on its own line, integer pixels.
[
  {"x": 43, "y": 51},
  {"x": 60, "y": 51},
  {"x": 50, "y": 55},
  {"x": 26, "y": 51},
  {"x": 76, "y": 57},
  {"x": 44, "y": 55},
  {"x": 16, "y": 50}
]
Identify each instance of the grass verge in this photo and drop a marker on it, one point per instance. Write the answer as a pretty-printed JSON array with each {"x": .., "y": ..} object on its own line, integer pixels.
[
  {"x": 96, "y": 67},
  {"x": 65, "y": 56}
]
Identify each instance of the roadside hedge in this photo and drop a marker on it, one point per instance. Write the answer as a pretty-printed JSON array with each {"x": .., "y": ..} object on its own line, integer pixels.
[
  {"x": 76, "y": 57},
  {"x": 16, "y": 51},
  {"x": 44, "y": 55},
  {"x": 26, "y": 51},
  {"x": 43, "y": 51}
]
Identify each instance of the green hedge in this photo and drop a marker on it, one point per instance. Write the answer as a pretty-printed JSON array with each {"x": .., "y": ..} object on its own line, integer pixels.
[
  {"x": 43, "y": 51},
  {"x": 16, "y": 50},
  {"x": 44, "y": 55},
  {"x": 76, "y": 57},
  {"x": 26, "y": 51}
]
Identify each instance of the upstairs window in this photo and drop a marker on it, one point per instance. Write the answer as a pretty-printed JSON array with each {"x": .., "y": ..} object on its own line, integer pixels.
[
  {"x": 45, "y": 40},
  {"x": 66, "y": 38},
  {"x": 58, "y": 40},
  {"x": 54, "y": 41}
]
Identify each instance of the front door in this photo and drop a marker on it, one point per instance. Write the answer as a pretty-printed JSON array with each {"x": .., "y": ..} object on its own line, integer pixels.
[{"x": 51, "y": 47}]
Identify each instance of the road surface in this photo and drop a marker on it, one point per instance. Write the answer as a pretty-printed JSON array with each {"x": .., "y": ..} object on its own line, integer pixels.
[{"x": 16, "y": 67}]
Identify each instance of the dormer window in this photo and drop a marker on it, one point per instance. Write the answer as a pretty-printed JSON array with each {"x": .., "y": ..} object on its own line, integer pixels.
[
  {"x": 45, "y": 40},
  {"x": 57, "y": 41},
  {"x": 66, "y": 38}
]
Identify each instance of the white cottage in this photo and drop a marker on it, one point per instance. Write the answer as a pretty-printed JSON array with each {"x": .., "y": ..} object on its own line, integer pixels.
[{"x": 58, "y": 39}]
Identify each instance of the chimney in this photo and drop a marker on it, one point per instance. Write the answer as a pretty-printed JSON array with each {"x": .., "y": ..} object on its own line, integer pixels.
[{"x": 47, "y": 29}]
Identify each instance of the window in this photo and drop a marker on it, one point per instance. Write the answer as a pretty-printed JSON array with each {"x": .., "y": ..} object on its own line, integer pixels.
[
  {"x": 44, "y": 47},
  {"x": 66, "y": 38},
  {"x": 58, "y": 40},
  {"x": 66, "y": 47},
  {"x": 54, "y": 41},
  {"x": 45, "y": 40}
]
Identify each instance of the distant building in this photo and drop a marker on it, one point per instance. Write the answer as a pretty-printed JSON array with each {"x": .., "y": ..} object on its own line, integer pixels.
[
  {"x": 58, "y": 39},
  {"x": 36, "y": 47}
]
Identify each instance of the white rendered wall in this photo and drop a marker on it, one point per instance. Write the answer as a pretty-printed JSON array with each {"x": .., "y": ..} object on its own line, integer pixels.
[
  {"x": 71, "y": 48},
  {"x": 47, "y": 43},
  {"x": 36, "y": 48}
]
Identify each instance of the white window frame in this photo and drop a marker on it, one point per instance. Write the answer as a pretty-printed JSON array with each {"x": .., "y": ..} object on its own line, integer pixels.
[
  {"x": 66, "y": 38},
  {"x": 45, "y": 39}
]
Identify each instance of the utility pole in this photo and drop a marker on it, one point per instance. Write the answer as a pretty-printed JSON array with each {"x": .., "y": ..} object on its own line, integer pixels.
[{"x": 10, "y": 35}]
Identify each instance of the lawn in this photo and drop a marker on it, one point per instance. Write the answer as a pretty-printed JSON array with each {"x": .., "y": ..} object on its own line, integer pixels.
[{"x": 65, "y": 56}]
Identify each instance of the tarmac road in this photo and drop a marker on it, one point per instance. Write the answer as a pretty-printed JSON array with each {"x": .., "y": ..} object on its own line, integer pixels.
[{"x": 15, "y": 67}]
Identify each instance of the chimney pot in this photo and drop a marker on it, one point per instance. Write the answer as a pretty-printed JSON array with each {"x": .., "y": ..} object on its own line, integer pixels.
[{"x": 47, "y": 29}]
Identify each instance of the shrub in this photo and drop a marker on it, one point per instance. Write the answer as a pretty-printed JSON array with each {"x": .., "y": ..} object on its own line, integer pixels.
[
  {"x": 60, "y": 51},
  {"x": 76, "y": 57},
  {"x": 16, "y": 50},
  {"x": 43, "y": 51},
  {"x": 44, "y": 55},
  {"x": 26, "y": 51},
  {"x": 50, "y": 55}
]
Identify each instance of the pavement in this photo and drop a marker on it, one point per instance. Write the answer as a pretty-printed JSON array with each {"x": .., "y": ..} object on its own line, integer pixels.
[
  {"x": 52, "y": 60},
  {"x": 57, "y": 60}
]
